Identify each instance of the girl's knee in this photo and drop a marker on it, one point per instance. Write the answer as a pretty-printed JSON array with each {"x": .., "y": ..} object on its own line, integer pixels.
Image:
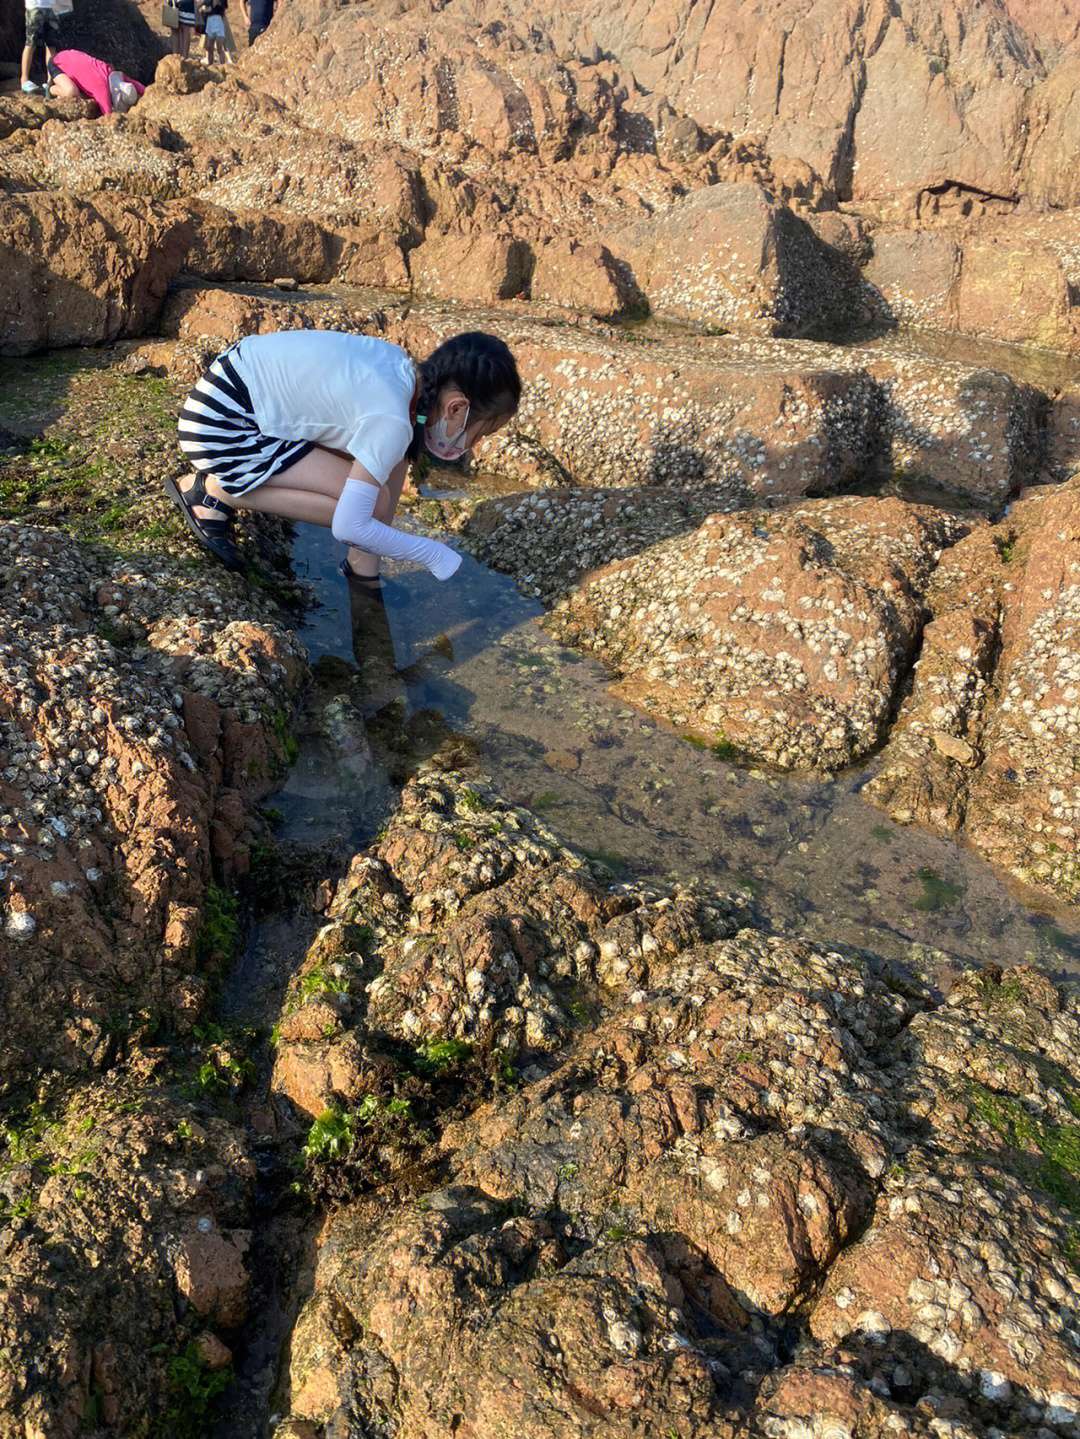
[{"x": 382, "y": 504}]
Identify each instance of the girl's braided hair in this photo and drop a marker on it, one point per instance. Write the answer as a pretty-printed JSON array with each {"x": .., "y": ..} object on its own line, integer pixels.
[{"x": 481, "y": 367}]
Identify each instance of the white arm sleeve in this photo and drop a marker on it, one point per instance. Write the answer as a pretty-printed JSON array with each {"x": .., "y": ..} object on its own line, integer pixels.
[{"x": 354, "y": 524}]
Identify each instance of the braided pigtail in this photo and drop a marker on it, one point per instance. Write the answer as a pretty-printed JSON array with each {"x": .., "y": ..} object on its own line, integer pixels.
[{"x": 481, "y": 367}]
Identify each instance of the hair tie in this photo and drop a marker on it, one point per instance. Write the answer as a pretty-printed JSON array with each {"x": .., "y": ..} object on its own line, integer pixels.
[{"x": 421, "y": 419}]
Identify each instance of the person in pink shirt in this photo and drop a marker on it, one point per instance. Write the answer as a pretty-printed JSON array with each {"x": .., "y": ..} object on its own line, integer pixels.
[{"x": 73, "y": 72}]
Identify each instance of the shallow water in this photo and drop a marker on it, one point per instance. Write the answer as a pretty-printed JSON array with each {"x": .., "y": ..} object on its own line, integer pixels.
[{"x": 471, "y": 657}]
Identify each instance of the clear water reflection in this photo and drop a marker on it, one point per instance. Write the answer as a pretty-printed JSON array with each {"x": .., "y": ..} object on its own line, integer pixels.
[{"x": 471, "y": 657}]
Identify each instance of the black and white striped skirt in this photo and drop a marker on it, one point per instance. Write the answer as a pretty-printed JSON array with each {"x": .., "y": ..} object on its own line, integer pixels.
[{"x": 220, "y": 436}]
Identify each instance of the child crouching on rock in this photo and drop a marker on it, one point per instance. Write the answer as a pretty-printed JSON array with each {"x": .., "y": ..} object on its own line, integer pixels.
[
  {"x": 318, "y": 426},
  {"x": 73, "y": 73}
]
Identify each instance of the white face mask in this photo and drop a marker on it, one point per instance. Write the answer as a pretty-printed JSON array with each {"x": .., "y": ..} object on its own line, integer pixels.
[{"x": 444, "y": 446}]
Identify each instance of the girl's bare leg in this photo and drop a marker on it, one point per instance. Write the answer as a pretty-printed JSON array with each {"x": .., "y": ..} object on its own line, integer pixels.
[
  {"x": 308, "y": 491},
  {"x": 362, "y": 563},
  {"x": 63, "y": 88}
]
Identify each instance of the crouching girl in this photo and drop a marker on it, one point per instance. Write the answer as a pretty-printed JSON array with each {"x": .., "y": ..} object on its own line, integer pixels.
[{"x": 318, "y": 426}]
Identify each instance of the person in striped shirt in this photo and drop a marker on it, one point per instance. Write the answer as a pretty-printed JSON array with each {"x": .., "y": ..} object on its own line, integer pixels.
[{"x": 321, "y": 426}]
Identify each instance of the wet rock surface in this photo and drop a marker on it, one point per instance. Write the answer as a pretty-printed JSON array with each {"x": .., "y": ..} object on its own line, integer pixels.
[
  {"x": 853, "y": 609},
  {"x": 136, "y": 743},
  {"x": 760, "y": 1185},
  {"x": 783, "y": 633},
  {"x": 128, "y": 1216},
  {"x": 645, "y": 1058}
]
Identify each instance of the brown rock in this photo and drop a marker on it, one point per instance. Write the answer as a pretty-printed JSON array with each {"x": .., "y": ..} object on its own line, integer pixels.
[
  {"x": 128, "y": 153},
  {"x": 213, "y": 1353},
  {"x": 731, "y": 256},
  {"x": 180, "y": 75},
  {"x": 301, "y": 1072},
  {"x": 1022, "y": 811},
  {"x": 609, "y": 411},
  {"x": 582, "y": 277},
  {"x": 935, "y": 741},
  {"x": 705, "y": 1215},
  {"x": 182, "y": 927},
  {"x": 783, "y": 634},
  {"x": 207, "y": 319},
  {"x": 202, "y": 721},
  {"x": 1062, "y": 455},
  {"x": 751, "y": 1130},
  {"x": 80, "y": 271},
  {"x": 211, "y": 1276},
  {"x": 99, "y": 1326},
  {"x": 953, "y": 747},
  {"x": 931, "y": 1272},
  {"x": 112, "y": 884},
  {"x": 562, "y": 759},
  {"x": 970, "y": 431},
  {"x": 1015, "y": 289},
  {"x": 481, "y": 268},
  {"x": 257, "y": 245},
  {"x": 818, "y": 1397},
  {"x": 916, "y": 274},
  {"x": 367, "y": 255},
  {"x": 309, "y": 1022},
  {"x": 966, "y": 84},
  {"x": 1010, "y": 279}
]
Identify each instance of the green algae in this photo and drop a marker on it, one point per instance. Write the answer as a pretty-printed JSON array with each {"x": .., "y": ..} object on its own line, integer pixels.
[
  {"x": 1043, "y": 1154},
  {"x": 330, "y": 1137},
  {"x": 937, "y": 893},
  {"x": 221, "y": 925},
  {"x": 87, "y": 449}
]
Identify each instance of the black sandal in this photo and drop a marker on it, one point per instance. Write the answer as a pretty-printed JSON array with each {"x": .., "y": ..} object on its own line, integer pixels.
[
  {"x": 214, "y": 534},
  {"x": 369, "y": 584}
]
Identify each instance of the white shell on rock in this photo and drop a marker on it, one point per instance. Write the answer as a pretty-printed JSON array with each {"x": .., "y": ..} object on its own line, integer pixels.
[
  {"x": 20, "y": 925},
  {"x": 994, "y": 1386}
]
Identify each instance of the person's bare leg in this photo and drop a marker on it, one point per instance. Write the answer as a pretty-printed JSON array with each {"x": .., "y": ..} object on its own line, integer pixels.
[
  {"x": 324, "y": 472},
  {"x": 307, "y": 506},
  {"x": 303, "y": 505},
  {"x": 362, "y": 563},
  {"x": 320, "y": 473},
  {"x": 27, "y": 63},
  {"x": 308, "y": 491},
  {"x": 64, "y": 88}
]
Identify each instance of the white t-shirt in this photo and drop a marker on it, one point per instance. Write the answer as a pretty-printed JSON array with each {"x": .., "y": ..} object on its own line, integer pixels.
[
  {"x": 346, "y": 392},
  {"x": 40, "y": 4}
]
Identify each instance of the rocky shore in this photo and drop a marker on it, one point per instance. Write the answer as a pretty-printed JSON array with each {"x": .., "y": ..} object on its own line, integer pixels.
[{"x": 454, "y": 1128}]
